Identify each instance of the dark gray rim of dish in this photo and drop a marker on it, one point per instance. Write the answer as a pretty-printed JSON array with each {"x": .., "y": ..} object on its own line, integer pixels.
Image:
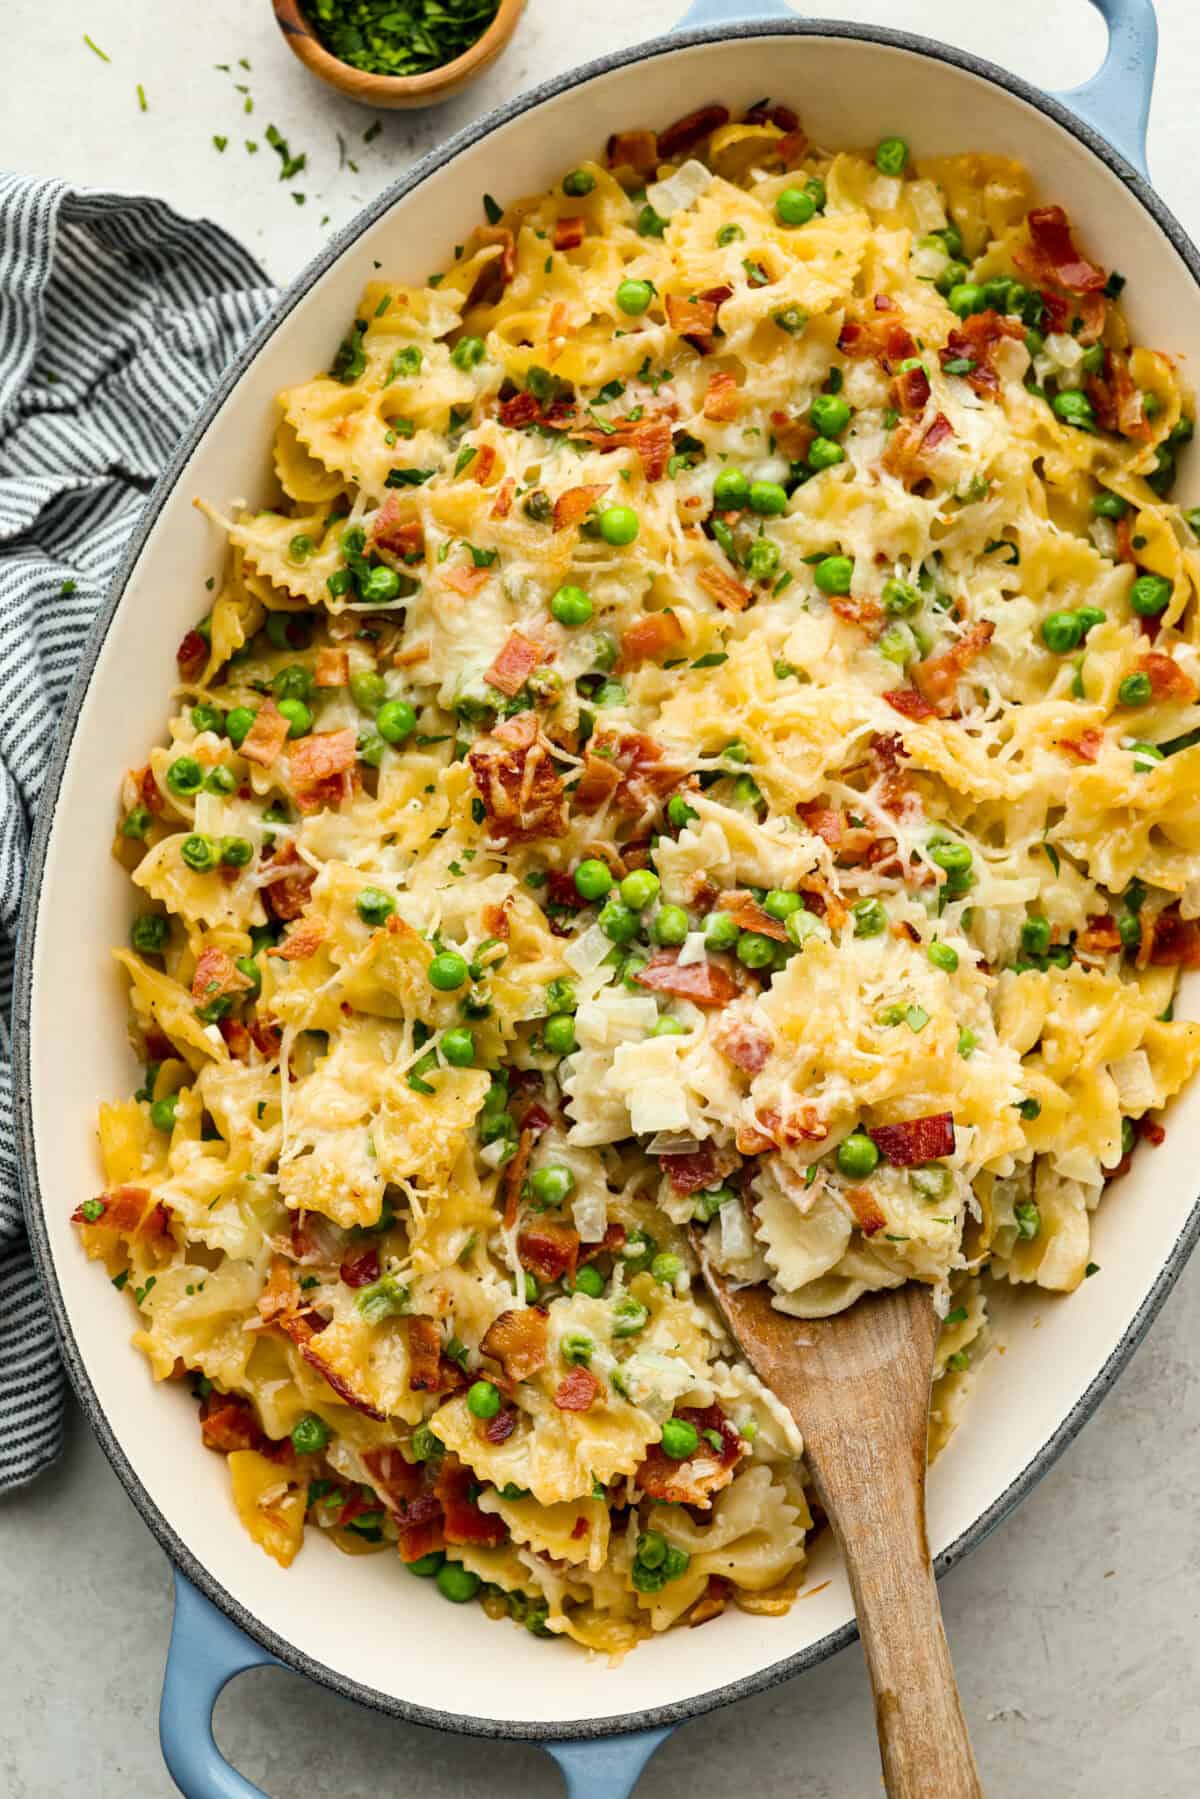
[{"x": 665, "y": 1715}]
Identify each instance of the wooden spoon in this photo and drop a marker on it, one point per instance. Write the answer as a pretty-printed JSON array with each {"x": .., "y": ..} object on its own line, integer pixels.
[{"x": 858, "y": 1387}]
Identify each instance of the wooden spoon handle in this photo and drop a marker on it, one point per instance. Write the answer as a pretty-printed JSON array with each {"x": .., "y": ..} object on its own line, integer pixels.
[{"x": 880, "y": 1523}]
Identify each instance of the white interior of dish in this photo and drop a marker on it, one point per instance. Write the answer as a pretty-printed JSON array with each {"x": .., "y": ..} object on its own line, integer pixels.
[{"x": 366, "y": 1618}]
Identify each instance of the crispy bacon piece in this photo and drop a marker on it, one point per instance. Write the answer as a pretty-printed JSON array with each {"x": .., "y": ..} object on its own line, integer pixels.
[
  {"x": 706, "y": 983},
  {"x": 310, "y": 1350},
  {"x": 687, "y": 132},
  {"x": 880, "y": 335},
  {"x": 827, "y": 822},
  {"x": 514, "y": 1176},
  {"x": 1052, "y": 255},
  {"x": 783, "y": 116},
  {"x": 630, "y": 766},
  {"x": 502, "y": 505},
  {"x": 394, "y": 528},
  {"x": 576, "y": 1391},
  {"x": 910, "y": 444},
  {"x": 867, "y": 1215},
  {"x": 916, "y": 1140},
  {"x": 518, "y": 1340},
  {"x": 569, "y": 231},
  {"x": 690, "y": 316},
  {"x": 520, "y": 410},
  {"x": 265, "y": 1035},
  {"x": 574, "y": 504},
  {"x": 711, "y": 1603},
  {"x": 216, "y": 976},
  {"x": 129, "y": 1212},
  {"x": 649, "y": 438},
  {"x": 599, "y": 781},
  {"x": 743, "y": 1044},
  {"x": 910, "y": 390},
  {"x": 332, "y": 667},
  {"x": 976, "y": 340},
  {"x": 496, "y": 274},
  {"x": 793, "y": 436},
  {"x": 866, "y": 613},
  {"x": 515, "y": 663},
  {"x": 748, "y": 915},
  {"x": 614, "y": 1236},
  {"x": 361, "y": 1270},
  {"x": 149, "y": 791},
  {"x": 661, "y": 1477},
  {"x": 725, "y": 588},
  {"x": 286, "y": 892},
  {"x": 938, "y": 677},
  {"x": 692, "y": 1171},
  {"x": 420, "y": 1530},
  {"x": 1101, "y": 938},
  {"x": 722, "y": 399},
  {"x": 302, "y": 942},
  {"x": 464, "y": 1522},
  {"x": 636, "y": 150},
  {"x": 1086, "y": 747},
  {"x": 266, "y": 736},
  {"x": 1175, "y": 941},
  {"x": 465, "y": 579},
  {"x": 1118, "y": 400},
  {"x": 516, "y": 779},
  {"x": 1167, "y": 679},
  {"x": 396, "y": 1481},
  {"x": 551, "y": 1251},
  {"x": 653, "y": 635},
  {"x": 237, "y": 1038},
  {"x": 317, "y": 765},
  {"x": 192, "y": 656},
  {"x": 228, "y": 1422},
  {"x": 500, "y": 1428},
  {"x": 424, "y": 1353}
]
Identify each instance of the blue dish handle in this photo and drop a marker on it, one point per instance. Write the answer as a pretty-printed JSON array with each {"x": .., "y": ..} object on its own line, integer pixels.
[
  {"x": 1115, "y": 102},
  {"x": 207, "y": 1651}
]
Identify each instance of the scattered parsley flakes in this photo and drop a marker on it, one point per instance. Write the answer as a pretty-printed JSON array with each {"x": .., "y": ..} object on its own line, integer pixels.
[
  {"x": 493, "y": 210},
  {"x": 94, "y": 47},
  {"x": 141, "y": 95},
  {"x": 289, "y": 165},
  {"x": 372, "y": 132},
  {"x": 66, "y": 590},
  {"x": 219, "y": 143},
  {"x": 382, "y": 38}
]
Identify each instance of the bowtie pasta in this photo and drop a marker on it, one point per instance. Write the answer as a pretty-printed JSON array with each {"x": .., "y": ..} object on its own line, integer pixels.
[{"x": 704, "y": 743}]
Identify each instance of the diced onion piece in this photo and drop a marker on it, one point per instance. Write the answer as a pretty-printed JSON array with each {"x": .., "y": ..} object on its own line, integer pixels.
[
  {"x": 587, "y": 952},
  {"x": 589, "y": 1209},
  {"x": 737, "y": 1241},
  {"x": 1136, "y": 1090},
  {"x": 693, "y": 949},
  {"x": 680, "y": 190}
]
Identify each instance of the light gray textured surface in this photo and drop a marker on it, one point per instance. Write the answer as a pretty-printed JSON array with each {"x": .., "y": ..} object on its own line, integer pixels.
[{"x": 1076, "y": 1626}]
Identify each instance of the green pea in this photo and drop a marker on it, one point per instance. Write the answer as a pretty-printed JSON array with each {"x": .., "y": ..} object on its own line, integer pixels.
[
  {"x": 943, "y": 956},
  {"x": 964, "y": 298},
  {"x": 1090, "y": 616},
  {"x": 996, "y": 293},
  {"x": 310, "y": 1434},
  {"x": 891, "y": 155},
  {"x": 367, "y": 689},
  {"x": 830, "y": 414},
  {"x": 640, "y": 889},
  {"x": 248, "y": 967},
  {"x": 898, "y": 644},
  {"x": 768, "y": 498},
  {"x": 755, "y": 950},
  {"x": 731, "y": 488},
  {"x": 381, "y": 585},
  {"x": 953, "y": 275},
  {"x": 494, "y": 1125},
  {"x": 1150, "y": 595},
  {"x": 298, "y": 715},
  {"x": 618, "y": 923},
  {"x": 385, "y": 1298},
  {"x": 458, "y": 1047},
  {"x": 669, "y": 925},
  {"x": 1035, "y": 935},
  {"x": 1108, "y": 505},
  {"x": 448, "y": 971},
  {"x": 900, "y": 598},
  {"x": 745, "y": 791},
  {"x": 162, "y": 1112},
  {"x": 294, "y": 682},
  {"x": 589, "y": 1281},
  {"x": 148, "y": 934},
  {"x": 833, "y": 574},
  {"x": 578, "y": 183},
  {"x": 629, "y": 1317},
  {"x": 706, "y": 1205},
  {"x": 551, "y": 1185},
  {"x": 220, "y": 779},
  {"x": 136, "y": 823},
  {"x": 667, "y": 1268},
  {"x": 1135, "y": 690},
  {"x": 576, "y": 1348},
  {"x": 794, "y": 207},
  {"x": 208, "y": 718},
  {"x": 618, "y": 525},
  {"x": 720, "y": 931},
  {"x": 803, "y": 926},
  {"x": 468, "y": 353},
  {"x": 426, "y": 1566},
  {"x": 558, "y": 1034},
  {"x": 680, "y": 1438},
  {"x": 1028, "y": 1219},
  {"x": 1061, "y": 632},
  {"x": 593, "y": 879},
  {"x": 395, "y": 720},
  {"x": 571, "y": 605},
  {"x": 633, "y": 297},
  {"x": 679, "y": 813},
  {"x": 857, "y": 1156},
  {"x": 611, "y": 694},
  {"x": 823, "y": 453},
  {"x": 483, "y": 1399},
  {"x": 953, "y": 856},
  {"x": 238, "y": 724},
  {"x": 185, "y": 775},
  {"x": 199, "y": 853},
  {"x": 1074, "y": 408},
  {"x": 791, "y": 319},
  {"x": 870, "y": 919},
  {"x": 371, "y": 749},
  {"x": 456, "y": 1583},
  {"x": 236, "y": 852}
]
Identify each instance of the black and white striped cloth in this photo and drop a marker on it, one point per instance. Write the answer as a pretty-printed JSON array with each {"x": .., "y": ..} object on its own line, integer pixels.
[{"x": 116, "y": 319}]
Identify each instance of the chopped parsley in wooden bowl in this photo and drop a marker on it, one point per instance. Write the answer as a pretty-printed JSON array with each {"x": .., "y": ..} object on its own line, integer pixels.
[{"x": 398, "y": 53}]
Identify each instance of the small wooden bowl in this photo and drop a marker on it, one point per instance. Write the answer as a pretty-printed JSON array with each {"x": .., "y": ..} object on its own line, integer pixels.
[{"x": 393, "y": 91}]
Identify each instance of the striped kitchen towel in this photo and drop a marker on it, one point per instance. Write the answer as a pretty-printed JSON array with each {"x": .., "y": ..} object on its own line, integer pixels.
[{"x": 116, "y": 318}]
